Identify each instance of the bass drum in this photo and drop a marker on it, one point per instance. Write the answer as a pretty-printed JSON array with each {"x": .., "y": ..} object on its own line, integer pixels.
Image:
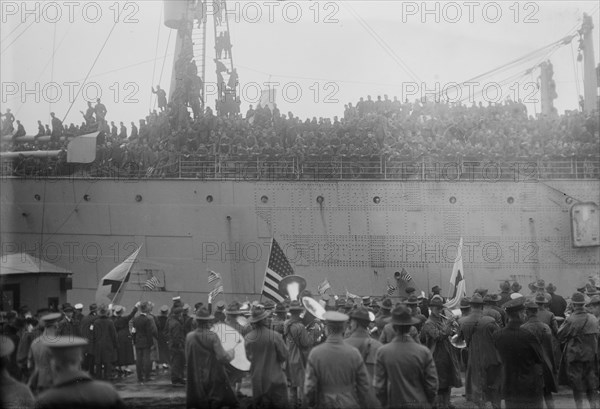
[{"x": 232, "y": 339}]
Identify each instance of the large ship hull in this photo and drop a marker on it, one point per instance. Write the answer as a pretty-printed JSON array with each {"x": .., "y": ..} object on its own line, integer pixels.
[{"x": 354, "y": 233}]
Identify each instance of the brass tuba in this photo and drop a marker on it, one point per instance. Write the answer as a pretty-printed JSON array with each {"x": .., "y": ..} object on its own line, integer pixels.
[{"x": 292, "y": 285}]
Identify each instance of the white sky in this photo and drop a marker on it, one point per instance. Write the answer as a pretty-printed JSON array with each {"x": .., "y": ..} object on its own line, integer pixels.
[{"x": 344, "y": 58}]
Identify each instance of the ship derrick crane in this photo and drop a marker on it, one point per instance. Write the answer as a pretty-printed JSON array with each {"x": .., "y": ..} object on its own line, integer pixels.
[{"x": 189, "y": 88}]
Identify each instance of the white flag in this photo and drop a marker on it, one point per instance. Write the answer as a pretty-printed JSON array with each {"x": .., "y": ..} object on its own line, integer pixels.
[
  {"x": 112, "y": 285},
  {"x": 457, "y": 279}
]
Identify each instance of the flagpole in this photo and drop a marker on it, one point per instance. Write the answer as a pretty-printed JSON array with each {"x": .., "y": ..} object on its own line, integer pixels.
[{"x": 266, "y": 267}]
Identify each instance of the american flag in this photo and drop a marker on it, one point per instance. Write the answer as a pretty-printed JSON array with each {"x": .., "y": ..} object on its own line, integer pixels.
[
  {"x": 324, "y": 286},
  {"x": 214, "y": 292},
  {"x": 349, "y": 295},
  {"x": 152, "y": 283},
  {"x": 212, "y": 276},
  {"x": 390, "y": 289},
  {"x": 277, "y": 268},
  {"x": 404, "y": 276}
]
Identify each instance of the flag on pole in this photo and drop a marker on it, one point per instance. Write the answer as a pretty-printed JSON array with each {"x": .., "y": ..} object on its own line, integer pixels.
[
  {"x": 268, "y": 98},
  {"x": 277, "y": 268},
  {"x": 350, "y": 295},
  {"x": 457, "y": 279},
  {"x": 214, "y": 292},
  {"x": 212, "y": 276},
  {"x": 404, "y": 276},
  {"x": 324, "y": 286},
  {"x": 152, "y": 283},
  {"x": 112, "y": 285},
  {"x": 390, "y": 289}
]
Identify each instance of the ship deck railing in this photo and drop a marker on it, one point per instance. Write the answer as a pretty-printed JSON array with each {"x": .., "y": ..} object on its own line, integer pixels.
[{"x": 316, "y": 168}]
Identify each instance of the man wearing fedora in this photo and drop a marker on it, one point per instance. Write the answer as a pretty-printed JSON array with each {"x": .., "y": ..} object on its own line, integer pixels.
[
  {"x": 176, "y": 340},
  {"x": 580, "y": 334},
  {"x": 207, "y": 383},
  {"x": 145, "y": 332},
  {"x": 490, "y": 309},
  {"x": 557, "y": 304},
  {"x": 266, "y": 352},
  {"x": 104, "y": 343},
  {"x": 522, "y": 358},
  {"x": 336, "y": 376},
  {"x": 68, "y": 325},
  {"x": 87, "y": 326},
  {"x": 383, "y": 315},
  {"x": 435, "y": 336},
  {"x": 405, "y": 372},
  {"x": 504, "y": 292},
  {"x": 484, "y": 367},
  {"x": 72, "y": 387},
  {"x": 543, "y": 333}
]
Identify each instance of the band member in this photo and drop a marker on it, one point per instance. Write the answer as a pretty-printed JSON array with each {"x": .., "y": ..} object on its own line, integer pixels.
[
  {"x": 207, "y": 383},
  {"x": 522, "y": 360},
  {"x": 435, "y": 336},
  {"x": 405, "y": 374},
  {"x": 336, "y": 376},
  {"x": 299, "y": 343},
  {"x": 266, "y": 352}
]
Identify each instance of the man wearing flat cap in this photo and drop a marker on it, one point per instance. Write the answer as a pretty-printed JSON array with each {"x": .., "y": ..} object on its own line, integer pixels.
[
  {"x": 405, "y": 373},
  {"x": 39, "y": 355},
  {"x": 336, "y": 376},
  {"x": 207, "y": 383},
  {"x": 435, "y": 336},
  {"x": 580, "y": 333},
  {"x": 485, "y": 367},
  {"x": 543, "y": 333},
  {"x": 72, "y": 387},
  {"x": 522, "y": 359},
  {"x": 266, "y": 352}
]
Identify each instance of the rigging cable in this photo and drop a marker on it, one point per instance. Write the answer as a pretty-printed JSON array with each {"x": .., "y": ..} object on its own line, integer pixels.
[
  {"x": 576, "y": 74},
  {"x": 91, "y": 68},
  {"x": 155, "y": 58},
  {"x": 9, "y": 34},
  {"x": 165, "y": 57},
  {"x": 17, "y": 37}
]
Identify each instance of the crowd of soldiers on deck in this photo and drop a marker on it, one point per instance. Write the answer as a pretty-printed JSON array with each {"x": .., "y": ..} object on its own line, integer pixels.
[
  {"x": 361, "y": 353},
  {"x": 413, "y": 132}
]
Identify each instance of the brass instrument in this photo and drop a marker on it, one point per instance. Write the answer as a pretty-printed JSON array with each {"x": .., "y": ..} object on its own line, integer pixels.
[
  {"x": 292, "y": 285},
  {"x": 451, "y": 322}
]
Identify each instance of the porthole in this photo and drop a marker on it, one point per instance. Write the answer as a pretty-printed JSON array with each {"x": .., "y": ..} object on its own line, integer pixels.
[
  {"x": 138, "y": 198},
  {"x": 209, "y": 199},
  {"x": 452, "y": 200}
]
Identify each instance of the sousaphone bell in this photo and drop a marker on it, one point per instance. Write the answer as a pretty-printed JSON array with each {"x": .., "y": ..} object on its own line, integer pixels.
[
  {"x": 313, "y": 307},
  {"x": 292, "y": 285}
]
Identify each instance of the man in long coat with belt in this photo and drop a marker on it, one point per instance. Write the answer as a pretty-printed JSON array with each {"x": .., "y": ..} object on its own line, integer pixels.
[
  {"x": 104, "y": 341},
  {"x": 299, "y": 343},
  {"x": 207, "y": 383},
  {"x": 523, "y": 361},
  {"x": 336, "y": 376},
  {"x": 266, "y": 352},
  {"x": 435, "y": 336},
  {"x": 580, "y": 334},
  {"x": 484, "y": 365}
]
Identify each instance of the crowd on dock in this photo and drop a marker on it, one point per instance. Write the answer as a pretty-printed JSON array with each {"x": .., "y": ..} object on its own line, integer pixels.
[{"x": 400, "y": 352}]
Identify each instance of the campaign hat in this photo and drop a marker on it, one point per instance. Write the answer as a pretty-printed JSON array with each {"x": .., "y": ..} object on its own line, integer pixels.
[
  {"x": 234, "y": 308},
  {"x": 386, "y": 304},
  {"x": 220, "y": 305},
  {"x": 412, "y": 300},
  {"x": 436, "y": 301},
  {"x": 93, "y": 307},
  {"x": 541, "y": 299},
  {"x": 103, "y": 310},
  {"x": 280, "y": 307},
  {"x": 505, "y": 286},
  {"x": 64, "y": 342},
  {"x": 401, "y": 315},
  {"x": 465, "y": 303},
  {"x": 491, "y": 298},
  {"x": 334, "y": 316},
  {"x": 516, "y": 287},
  {"x": 361, "y": 314},
  {"x": 594, "y": 300},
  {"x": 540, "y": 284},
  {"x": 578, "y": 298},
  {"x": 203, "y": 315},
  {"x": 482, "y": 291},
  {"x": 435, "y": 288},
  {"x": 515, "y": 305},
  {"x": 269, "y": 305},
  {"x": 259, "y": 313},
  {"x": 476, "y": 299}
]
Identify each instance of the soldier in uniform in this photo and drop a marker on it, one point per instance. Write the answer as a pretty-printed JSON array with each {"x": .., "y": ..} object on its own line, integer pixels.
[
  {"x": 405, "y": 373},
  {"x": 176, "y": 341},
  {"x": 558, "y": 304},
  {"x": 72, "y": 387},
  {"x": 207, "y": 383},
  {"x": 504, "y": 293},
  {"x": 484, "y": 365},
  {"x": 104, "y": 344},
  {"x": 87, "y": 326},
  {"x": 144, "y": 333},
  {"x": 161, "y": 326},
  {"x": 299, "y": 343},
  {"x": 278, "y": 320},
  {"x": 266, "y": 352},
  {"x": 435, "y": 336},
  {"x": 544, "y": 336},
  {"x": 522, "y": 358},
  {"x": 336, "y": 376},
  {"x": 383, "y": 315},
  {"x": 39, "y": 355},
  {"x": 360, "y": 338},
  {"x": 580, "y": 334}
]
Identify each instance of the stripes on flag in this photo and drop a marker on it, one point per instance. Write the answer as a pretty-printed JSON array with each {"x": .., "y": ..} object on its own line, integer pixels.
[
  {"x": 404, "y": 276},
  {"x": 277, "y": 268},
  {"x": 213, "y": 276},
  {"x": 350, "y": 295},
  {"x": 152, "y": 283},
  {"x": 390, "y": 289},
  {"x": 324, "y": 286},
  {"x": 215, "y": 291}
]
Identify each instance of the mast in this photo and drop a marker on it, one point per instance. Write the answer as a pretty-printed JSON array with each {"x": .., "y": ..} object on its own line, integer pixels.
[{"x": 590, "y": 79}]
